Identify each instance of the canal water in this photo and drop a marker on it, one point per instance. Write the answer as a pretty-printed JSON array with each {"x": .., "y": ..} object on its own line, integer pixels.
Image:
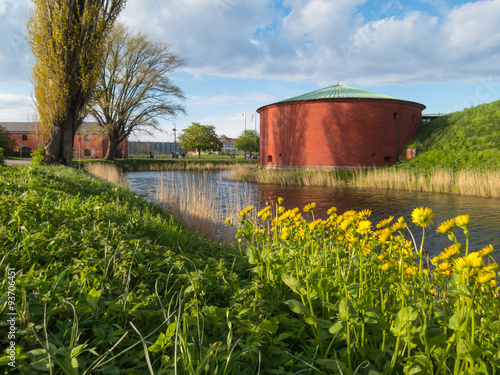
[{"x": 484, "y": 212}]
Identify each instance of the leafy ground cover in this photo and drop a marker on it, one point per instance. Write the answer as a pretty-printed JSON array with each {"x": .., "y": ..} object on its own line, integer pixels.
[
  {"x": 107, "y": 283},
  {"x": 464, "y": 139}
]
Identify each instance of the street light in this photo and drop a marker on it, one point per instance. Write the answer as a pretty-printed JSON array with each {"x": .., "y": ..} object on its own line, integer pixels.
[{"x": 175, "y": 142}]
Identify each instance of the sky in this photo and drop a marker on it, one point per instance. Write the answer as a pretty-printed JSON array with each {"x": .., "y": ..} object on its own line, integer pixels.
[{"x": 244, "y": 54}]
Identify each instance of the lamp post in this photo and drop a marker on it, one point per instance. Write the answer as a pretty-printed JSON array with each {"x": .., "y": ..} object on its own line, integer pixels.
[{"x": 175, "y": 142}]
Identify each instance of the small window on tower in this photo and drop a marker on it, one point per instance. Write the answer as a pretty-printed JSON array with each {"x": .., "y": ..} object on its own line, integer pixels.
[
  {"x": 86, "y": 152},
  {"x": 269, "y": 158},
  {"x": 395, "y": 116},
  {"x": 87, "y": 138},
  {"x": 25, "y": 137}
]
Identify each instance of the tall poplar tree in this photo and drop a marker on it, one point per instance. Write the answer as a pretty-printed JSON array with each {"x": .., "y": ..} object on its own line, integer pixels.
[{"x": 67, "y": 39}]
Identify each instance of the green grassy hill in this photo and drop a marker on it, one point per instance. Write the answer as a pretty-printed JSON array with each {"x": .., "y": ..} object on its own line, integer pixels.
[{"x": 465, "y": 139}]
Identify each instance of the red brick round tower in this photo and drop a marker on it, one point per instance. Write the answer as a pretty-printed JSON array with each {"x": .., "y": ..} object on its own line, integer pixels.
[{"x": 337, "y": 126}]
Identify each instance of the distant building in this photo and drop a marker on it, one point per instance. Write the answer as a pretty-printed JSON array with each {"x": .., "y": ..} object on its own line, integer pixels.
[
  {"x": 227, "y": 144},
  {"x": 157, "y": 148},
  {"x": 337, "y": 126},
  {"x": 88, "y": 142}
]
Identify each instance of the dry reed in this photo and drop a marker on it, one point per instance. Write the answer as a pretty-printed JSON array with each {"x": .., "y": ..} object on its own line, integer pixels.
[
  {"x": 108, "y": 172},
  {"x": 200, "y": 204},
  {"x": 483, "y": 183}
]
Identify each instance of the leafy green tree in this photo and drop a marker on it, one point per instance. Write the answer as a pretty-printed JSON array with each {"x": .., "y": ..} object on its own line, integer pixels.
[
  {"x": 248, "y": 141},
  {"x": 134, "y": 86},
  {"x": 6, "y": 142},
  {"x": 200, "y": 138},
  {"x": 67, "y": 39}
]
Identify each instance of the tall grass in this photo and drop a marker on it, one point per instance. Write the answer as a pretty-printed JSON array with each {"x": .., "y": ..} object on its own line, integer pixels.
[
  {"x": 195, "y": 201},
  {"x": 107, "y": 172},
  {"x": 474, "y": 182}
]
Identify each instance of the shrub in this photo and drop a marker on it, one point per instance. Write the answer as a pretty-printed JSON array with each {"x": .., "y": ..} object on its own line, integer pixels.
[{"x": 38, "y": 156}]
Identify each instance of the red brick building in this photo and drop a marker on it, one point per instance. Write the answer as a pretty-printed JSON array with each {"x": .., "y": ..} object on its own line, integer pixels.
[
  {"x": 337, "y": 126},
  {"x": 88, "y": 143}
]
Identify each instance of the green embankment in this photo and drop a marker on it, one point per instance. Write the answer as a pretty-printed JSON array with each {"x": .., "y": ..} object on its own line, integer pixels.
[{"x": 465, "y": 139}]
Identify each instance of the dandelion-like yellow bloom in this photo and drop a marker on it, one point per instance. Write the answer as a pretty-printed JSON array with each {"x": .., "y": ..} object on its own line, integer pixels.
[
  {"x": 493, "y": 283},
  {"x": 350, "y": 213},
  {"x": 491, "y": 267},
  {"x": 475, "y": 260},
  {"x": 486, "y": 251},
  {"x": 310, "y": 207},
  {"x": 485, "y": 278},
  {"x": 228, "y": 220},
  {"x": 462, "y": 221},
  {"x": 246, "y": 210},
  {"x": 446, "y": 227},
  {"x": 364, "y": 214},
  {"x": 409, "y": 271},
  {"x": 285, "y": 234},
  {"x": 384, "y": 267},
  {"x": 345, "y": 224},
  {"x": 385, "y": 222},
  {"x": 384, "y": 236},
  {"x": 382, "y": 256},
  {"x": 281, "y": 209},
  {"x": 443, "y": 267},
  {"x": 399, "y": 225},
  {"x": 364, "y": 226},
  {"x": 450, "y": 252},
  {"x": 280, "y": 200},
  {"x": 331, "y": 210},
  {"x": 461, "y": 265},
  {"x": 422, "y": 216}
]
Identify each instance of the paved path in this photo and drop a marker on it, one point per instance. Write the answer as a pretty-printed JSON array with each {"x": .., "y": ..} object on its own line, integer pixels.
[{"x": 17, "y": 161}]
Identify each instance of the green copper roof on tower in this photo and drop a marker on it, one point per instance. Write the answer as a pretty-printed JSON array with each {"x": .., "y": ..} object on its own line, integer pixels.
[{"x": 338, "y": 92}]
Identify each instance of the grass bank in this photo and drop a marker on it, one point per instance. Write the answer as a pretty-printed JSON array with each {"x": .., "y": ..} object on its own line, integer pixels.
[
  {"x": 159, "y": 165},
  {"x": 106, "y": 283}
]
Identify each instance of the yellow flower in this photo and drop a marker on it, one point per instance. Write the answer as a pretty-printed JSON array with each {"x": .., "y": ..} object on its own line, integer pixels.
[
  {"x": 461, "y": 265},
  {"x": 345, "y": 224},
  {"x": 446, "y": 227},
  {"x": 475, "y": 260},
  {"x": 384, "y": 236},
  {"x": 331, "y": 210},
  {"x": 263, "y": 211},
  {"x": 486, "y": 277},
  {"x": 384, "y": 267},
  {"x": 445, "y": 266},
  {"x": 310, "y": 207},
  {"x": 450, "y": 252},
  {"x": 462, "y": 221},
  {"x": 491, "y": 267},
  {"x": 493, "y": 283},
  {"x": 280, "y": 200},
  {"x": 409, "y": 271},
  {"x": 399, "y": 226},
  {"x": 228, "y": 220},
  {"x": 486, "y": 251},
  {"x": 382, "y": 256},
  {"x": 285, "y": 234},
  {"x": 364, "y": 226},
  {"x": 385, "y": 222},
  {"x": 422, "y": 216},
  {"x": 364, "y": 214}
]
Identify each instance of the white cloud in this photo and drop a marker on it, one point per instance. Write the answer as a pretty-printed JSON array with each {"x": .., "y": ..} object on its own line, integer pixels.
[
  {"x": 255, "y": 97},
  {"x": 15, "y": 54},
  {"x": 15, "y": 107}
]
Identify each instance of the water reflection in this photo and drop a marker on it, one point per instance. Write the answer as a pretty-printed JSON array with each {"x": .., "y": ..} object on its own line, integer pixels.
[{"x": 484, "y": 212}]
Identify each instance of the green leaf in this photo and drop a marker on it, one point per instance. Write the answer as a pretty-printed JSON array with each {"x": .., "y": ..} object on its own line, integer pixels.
[
  {"x": 346, "y": 311},
  {"x": 291, "y": 282},
  {"x": 297, "y": 307},
  {"x": 92, "y": 298},
  {"x": 338, "y": 328}
]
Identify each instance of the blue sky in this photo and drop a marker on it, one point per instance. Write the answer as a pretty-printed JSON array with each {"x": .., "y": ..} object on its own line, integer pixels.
[{"x": 244, "y": 54}]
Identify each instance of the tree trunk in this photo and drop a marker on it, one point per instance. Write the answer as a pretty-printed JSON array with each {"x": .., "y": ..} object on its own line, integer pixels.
[
  {"x": 59, "y": 149},
  {"x": 112, "y": 146},
  {"x": 199, "y": 154}
]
